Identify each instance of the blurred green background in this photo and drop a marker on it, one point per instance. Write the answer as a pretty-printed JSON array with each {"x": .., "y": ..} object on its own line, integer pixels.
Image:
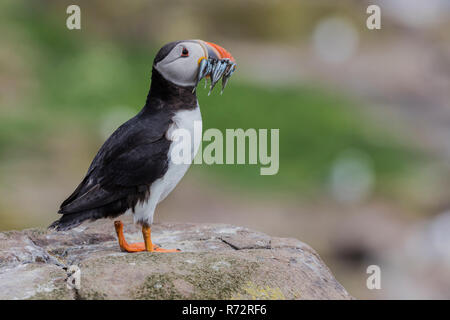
[{"x": 364, "y": 121}]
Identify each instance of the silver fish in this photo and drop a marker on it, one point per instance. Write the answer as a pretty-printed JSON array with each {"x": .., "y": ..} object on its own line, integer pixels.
[
  {"x": 215, "y": 69},
  {"x": 202, "y": 71},
  {"x": 227, "y": 74}
]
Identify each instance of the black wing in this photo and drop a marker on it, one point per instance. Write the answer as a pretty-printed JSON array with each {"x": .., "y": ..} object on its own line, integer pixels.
[{"x": 133, "y": 157}]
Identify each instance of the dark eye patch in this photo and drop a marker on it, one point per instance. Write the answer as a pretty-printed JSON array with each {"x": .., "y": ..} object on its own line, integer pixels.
[{"x": 185, "y": 52}]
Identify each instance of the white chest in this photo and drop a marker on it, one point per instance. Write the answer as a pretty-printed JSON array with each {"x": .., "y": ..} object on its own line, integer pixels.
[{"x": 189, "y": 120}]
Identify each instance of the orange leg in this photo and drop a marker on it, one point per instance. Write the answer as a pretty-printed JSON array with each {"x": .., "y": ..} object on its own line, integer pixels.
[{"x": 147, "y": 245}]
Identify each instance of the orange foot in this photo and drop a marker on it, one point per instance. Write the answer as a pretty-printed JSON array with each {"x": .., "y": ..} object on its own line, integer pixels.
[{"x": 147, "y": 245}]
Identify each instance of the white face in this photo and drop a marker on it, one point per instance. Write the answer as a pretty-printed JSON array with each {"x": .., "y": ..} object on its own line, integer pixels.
[{"x": 180, "y": 66}]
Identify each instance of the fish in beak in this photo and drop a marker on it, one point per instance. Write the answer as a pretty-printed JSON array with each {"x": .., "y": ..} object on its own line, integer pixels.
[{"x": 216, "y": 64}]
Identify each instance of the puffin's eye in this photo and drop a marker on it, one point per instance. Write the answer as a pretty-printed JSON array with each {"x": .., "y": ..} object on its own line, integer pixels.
[{"x": 185, "y": 53}]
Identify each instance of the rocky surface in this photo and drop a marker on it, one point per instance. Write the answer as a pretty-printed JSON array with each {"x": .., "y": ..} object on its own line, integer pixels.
[{"x": 216, "y": 262}]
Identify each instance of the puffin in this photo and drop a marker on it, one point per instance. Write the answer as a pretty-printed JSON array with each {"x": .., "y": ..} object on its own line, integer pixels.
[{"x": 134, "y": 171}]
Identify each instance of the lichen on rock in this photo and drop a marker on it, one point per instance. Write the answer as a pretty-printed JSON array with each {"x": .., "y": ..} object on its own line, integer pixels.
[{"x": 216, "y": 262}]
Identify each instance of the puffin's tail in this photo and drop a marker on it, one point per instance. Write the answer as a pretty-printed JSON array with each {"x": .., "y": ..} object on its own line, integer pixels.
[{"x": 69, "y": 221}]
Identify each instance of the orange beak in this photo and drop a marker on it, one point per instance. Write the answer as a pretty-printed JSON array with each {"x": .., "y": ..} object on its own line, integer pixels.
[
  {"x": 219, "y": 52},
  {"x": 216, "y": 64}
]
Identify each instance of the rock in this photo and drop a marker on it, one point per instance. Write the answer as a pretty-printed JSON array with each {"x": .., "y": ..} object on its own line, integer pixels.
[{"x": 216, "y": 262}]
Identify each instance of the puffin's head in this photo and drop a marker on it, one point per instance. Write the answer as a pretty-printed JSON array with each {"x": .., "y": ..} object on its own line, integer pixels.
[{"x": 186, "y": 62}]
